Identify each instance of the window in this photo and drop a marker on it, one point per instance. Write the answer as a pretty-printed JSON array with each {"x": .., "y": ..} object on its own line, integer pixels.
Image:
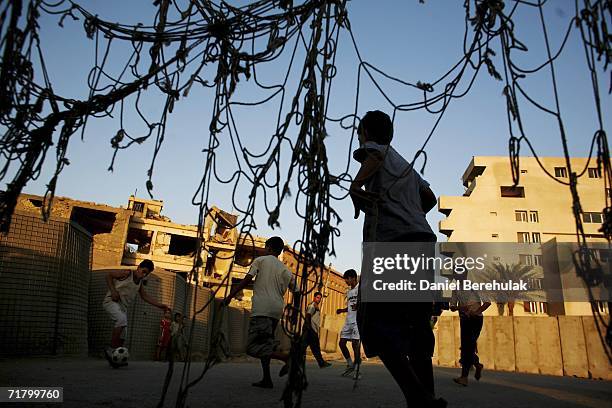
[
  {"x": 524, "y": 259},
  {"x": 511, "y": 191},
  {"x": 537, "y": 260},
  {"x": 536, "y": 307},
  {"x": 594, "y": 172},
  {"x": 534, "y": 283},
  {"x": 94, "y": 221},
  {"x": 602, "y": 255},
  {"x": 601, "y": 307},
  {"x": 182, "y": 245},
  {"x": 561, "y": 172},
  {"x": 523, "y": 237},
  {"x": 139, "y": 207},
  {"x": 533, "y": 216},
  {"x": 520, "y": 216},
  {"x": 138, "y": 241},
  {"x": 592, "y": 217},
  {"x": 536, "y": 238},
  {"x": 494, "y": 235},
  {"x": 523, "y": 171},
  {"x": 493, "y": 213}
]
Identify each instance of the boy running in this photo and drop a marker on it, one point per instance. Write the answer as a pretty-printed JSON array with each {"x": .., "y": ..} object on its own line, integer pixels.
[
  {"x": 272, "y": 278},
  {"x": 312, "y": 324},
  {"x": 350, "y": 332},
  {"x": 395, "y": 202},
  {"x": 122, "y": 289},
  {"x": 470, "y": 307}
]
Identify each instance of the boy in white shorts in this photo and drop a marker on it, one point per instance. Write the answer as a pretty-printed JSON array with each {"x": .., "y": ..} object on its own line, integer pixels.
[
  {"x": 350, "y": 332},
  {"x": 122, "y": 289}
]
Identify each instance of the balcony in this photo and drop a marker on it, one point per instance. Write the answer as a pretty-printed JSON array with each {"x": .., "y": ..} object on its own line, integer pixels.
[{"x": 472, "y": 172}]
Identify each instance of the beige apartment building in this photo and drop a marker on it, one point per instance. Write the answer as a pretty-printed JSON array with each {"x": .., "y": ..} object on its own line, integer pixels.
[{"x": 538, "y": 210}]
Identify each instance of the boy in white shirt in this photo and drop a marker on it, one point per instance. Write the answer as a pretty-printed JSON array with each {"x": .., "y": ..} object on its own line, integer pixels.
[
  {"x": 122, "y": 289},
  {"x": 395, "y": 202},
  {"x": 349, "y": 331},
  {"x": 272, "y": 278}
]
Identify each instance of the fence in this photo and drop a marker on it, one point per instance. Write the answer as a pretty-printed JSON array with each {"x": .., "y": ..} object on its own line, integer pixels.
[
  {"x": 44, "y": 279},
  {"x": 144, "y": 320}
]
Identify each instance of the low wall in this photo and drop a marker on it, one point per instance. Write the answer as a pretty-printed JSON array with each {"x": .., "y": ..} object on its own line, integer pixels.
[{"x": 562, "y": 345}]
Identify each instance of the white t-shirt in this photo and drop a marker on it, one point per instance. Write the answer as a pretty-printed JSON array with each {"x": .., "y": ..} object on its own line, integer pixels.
[
  {"x": 272, "y": 278},
  {"x": 399, "y": 210},
  {"x": 315, "y": 316},
  {"x": 468, "y": 302},
  {"x": 351, "y": 301}
]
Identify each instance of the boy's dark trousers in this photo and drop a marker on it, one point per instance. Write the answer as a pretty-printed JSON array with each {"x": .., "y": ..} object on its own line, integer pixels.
[
  {"x": 312, "y": 341},
  {"x": 470, "y": 331}
]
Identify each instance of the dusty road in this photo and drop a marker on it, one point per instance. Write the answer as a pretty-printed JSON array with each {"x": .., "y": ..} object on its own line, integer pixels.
[{"x": 91, "y": 383}]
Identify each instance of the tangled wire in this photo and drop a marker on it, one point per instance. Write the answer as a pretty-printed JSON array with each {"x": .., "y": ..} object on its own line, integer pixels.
[{"x": 199, "y": 43}]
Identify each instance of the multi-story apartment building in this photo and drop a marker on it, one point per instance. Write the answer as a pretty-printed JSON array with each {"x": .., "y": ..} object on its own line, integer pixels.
[{"x": 537, "y": 210}]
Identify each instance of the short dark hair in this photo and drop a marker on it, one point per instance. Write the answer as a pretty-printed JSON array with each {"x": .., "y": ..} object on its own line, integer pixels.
[
  {"x": 276, "y": 244},
  {"x": 147, "y": 263},
  {"x": 351, "y": 273},
  {"x": 379, "y": 127},
  {"x": 318, "y": 294}
]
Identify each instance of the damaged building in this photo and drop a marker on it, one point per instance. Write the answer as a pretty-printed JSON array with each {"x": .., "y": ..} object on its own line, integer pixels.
[{"x": 121, "y": 237}]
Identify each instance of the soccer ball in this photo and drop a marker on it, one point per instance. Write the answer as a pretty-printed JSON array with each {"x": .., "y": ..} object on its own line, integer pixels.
[{"x": 120, "y": 355}]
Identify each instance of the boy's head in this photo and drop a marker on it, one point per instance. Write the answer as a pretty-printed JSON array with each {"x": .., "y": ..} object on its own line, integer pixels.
[
  {"x": 167, "y": 314},
  {"x": 177, "y": 317},
  {"x": 350, "y": 277},
  {"x": 144, "y": 268},
  {"x": 275, "y": 246},
  {"x": 375, "y": 126},
  {"x": 317, "y": 297}
]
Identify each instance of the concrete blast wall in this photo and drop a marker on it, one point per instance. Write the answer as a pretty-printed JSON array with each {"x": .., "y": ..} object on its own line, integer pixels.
[{"x": 563, "y": 345}]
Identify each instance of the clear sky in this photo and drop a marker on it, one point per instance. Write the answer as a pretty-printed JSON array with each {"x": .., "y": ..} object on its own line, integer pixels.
[{"x": 416, "y": 42}]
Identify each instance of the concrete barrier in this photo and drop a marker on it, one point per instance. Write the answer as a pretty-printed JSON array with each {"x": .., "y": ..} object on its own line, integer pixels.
[
  {"x": 486, "y": 351},
  {"x": 446, "y": 342},
  {"x": 525, "y": 345},
  {"x": 550, "y": 360},
  {"x": 503, "y": 330},
  {"x": 598, "y": 363},
  {"x": 573, "y": 346}
]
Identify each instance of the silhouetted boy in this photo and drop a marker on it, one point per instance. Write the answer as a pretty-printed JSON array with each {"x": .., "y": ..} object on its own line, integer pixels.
[{"x": 395, "y": 202}]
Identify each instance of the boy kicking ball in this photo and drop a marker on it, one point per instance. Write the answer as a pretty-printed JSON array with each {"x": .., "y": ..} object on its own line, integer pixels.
[{"x": 122, "y": 289}]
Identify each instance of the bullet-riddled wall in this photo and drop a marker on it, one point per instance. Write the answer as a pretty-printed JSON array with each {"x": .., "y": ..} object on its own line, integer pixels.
[{"x": 44, "y": 279}]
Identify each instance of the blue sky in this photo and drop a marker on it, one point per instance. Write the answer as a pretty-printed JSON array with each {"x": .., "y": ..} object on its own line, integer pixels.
[{"x": 416, "y": 42}]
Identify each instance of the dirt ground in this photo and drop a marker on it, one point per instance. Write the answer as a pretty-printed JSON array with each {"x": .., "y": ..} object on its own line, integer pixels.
[{"x": 92, "y": 383}]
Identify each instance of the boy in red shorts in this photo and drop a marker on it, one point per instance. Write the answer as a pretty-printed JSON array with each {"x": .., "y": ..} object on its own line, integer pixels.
[{"x": 164, "y": 335}]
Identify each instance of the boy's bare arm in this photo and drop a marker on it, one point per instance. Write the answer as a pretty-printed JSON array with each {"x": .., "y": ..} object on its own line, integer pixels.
[
  {"x": 145, "y": 296},
  {"x": 369, "y": 167},
  {"x": 362, "y": 200},
  {"x": 243, "y": 284},
  {"x": 343, "y": 310},
  {"x": 484, "y": 307},
  {"x": 111, "y": 284}
]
